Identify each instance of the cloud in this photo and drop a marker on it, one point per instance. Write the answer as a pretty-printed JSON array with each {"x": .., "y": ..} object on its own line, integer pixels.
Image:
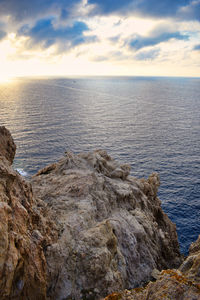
[
  {"x": 19, "y": 10},
  {"x": 110, "y": 56},
  {"x": 46, "y": 34},
  {"x": 190, "y": 11},
  {"x": 109, "y": 6},
  {"x": 155, "y": 8},
  {"x": 197, "y": 48},
  {"x": 100, "y": 58},
  {"x": 22, "y": 10},
  {"x": 121, "y": 31},
  {"x": 120, "y": 56},
  {"x": 179, "y": 9},
  {"x": 2, "y": 34},
  {"x": 147, "y": 55},
  {"x": 114, "y": 39},
  {"x": 156, "y": 37}
]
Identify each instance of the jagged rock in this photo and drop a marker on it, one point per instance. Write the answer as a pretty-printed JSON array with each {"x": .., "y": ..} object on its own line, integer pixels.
[
  {"x": 191, "y": 265},
  {"x": 183, "y": 283},
  {"x": 171, "y": 284},
  {"x": 155, "y": 274},
  {"x": 7, "y": 145},
  {"x": 112, "y": 230},
  {"x": 23, "y": 232}
]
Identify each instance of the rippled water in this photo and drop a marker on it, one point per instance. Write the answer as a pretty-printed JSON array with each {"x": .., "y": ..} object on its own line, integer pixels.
[{"x": 151, "y": 123}]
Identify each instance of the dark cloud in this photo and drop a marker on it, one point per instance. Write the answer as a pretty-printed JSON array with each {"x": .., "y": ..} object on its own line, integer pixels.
[
  {"x": 179, "y": 9},
  {"x": 147, "y": 55},
  {"x": 162, "y": 8},
  {"x": 140, "y": 42},
  {"x": 190, "y": 11},
  {"x": 46, "y": 34},
  {"x": 2, "y": 34},
  {"x": 197, "y": 48},
  {"x": 110, "y": 6},
  {"x": 22, "y": 10}
]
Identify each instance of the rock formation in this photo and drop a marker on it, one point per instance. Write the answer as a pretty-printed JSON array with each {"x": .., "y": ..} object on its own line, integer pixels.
[
  {"x": 88, "y": 229},
  {"x": 23, "y": 232},
  {"x": 112, "y": 230},
  {"x": 171, "y": 284},
  {"x": 191, "y": 265},
  {"x": 183, "y": 283},
  {"x": 7, "y": 145}
]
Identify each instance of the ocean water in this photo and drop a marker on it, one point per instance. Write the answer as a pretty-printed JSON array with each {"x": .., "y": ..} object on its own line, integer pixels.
[{"x": 149, "y": 122}]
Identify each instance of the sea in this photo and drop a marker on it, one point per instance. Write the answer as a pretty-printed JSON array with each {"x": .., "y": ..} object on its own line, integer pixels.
[{"x": 152, "y": 123}]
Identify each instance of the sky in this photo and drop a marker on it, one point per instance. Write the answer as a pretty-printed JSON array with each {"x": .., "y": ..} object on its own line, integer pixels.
[{"x": 99, "y": 37}]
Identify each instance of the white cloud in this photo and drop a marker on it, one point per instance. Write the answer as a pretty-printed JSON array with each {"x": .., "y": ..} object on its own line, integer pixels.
[{"x": 109, "y": 54}]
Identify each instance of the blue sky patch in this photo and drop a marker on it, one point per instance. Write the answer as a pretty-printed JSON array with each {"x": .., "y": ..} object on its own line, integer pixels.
[{"x": 46, "y": 33}]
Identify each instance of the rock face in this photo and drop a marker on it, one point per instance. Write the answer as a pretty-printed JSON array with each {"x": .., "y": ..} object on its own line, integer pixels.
[
  {"x": 191, "y": 266},
  {"x": 183, "y": 284},
  {"x": 112, "y": 231},
  {"x": 7, "y": 145},
  {"x": 23, "y": 232},
  {"x": 171, "y": 284}
]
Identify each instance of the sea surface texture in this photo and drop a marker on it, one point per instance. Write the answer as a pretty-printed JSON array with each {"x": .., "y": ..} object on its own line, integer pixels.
[{"x": 151, "y": 123}]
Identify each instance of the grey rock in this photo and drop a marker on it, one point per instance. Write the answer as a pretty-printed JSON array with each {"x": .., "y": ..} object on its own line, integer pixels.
[{"x": 112, "y": 231}]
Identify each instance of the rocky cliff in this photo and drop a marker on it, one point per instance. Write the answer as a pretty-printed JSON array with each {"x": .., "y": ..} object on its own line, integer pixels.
[
  {"x": 23, "y": 232},
  {"x": 112, "y": 230},
  {"x": 87, "y": 229}
]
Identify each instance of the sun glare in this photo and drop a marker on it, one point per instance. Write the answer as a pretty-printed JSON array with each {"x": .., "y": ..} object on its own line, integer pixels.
[{"x": 5, "y": 79}]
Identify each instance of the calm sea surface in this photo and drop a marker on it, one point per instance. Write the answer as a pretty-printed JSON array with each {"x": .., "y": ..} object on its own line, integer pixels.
[{"x": 151, "y": 123}]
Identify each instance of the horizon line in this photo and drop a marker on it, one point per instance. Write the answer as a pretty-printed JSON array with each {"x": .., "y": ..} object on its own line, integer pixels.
[{"x": 94, "y": 75}]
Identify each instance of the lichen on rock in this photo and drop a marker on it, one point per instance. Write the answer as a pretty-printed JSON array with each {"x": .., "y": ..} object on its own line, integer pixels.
[{"x": 171, "y": 284}]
